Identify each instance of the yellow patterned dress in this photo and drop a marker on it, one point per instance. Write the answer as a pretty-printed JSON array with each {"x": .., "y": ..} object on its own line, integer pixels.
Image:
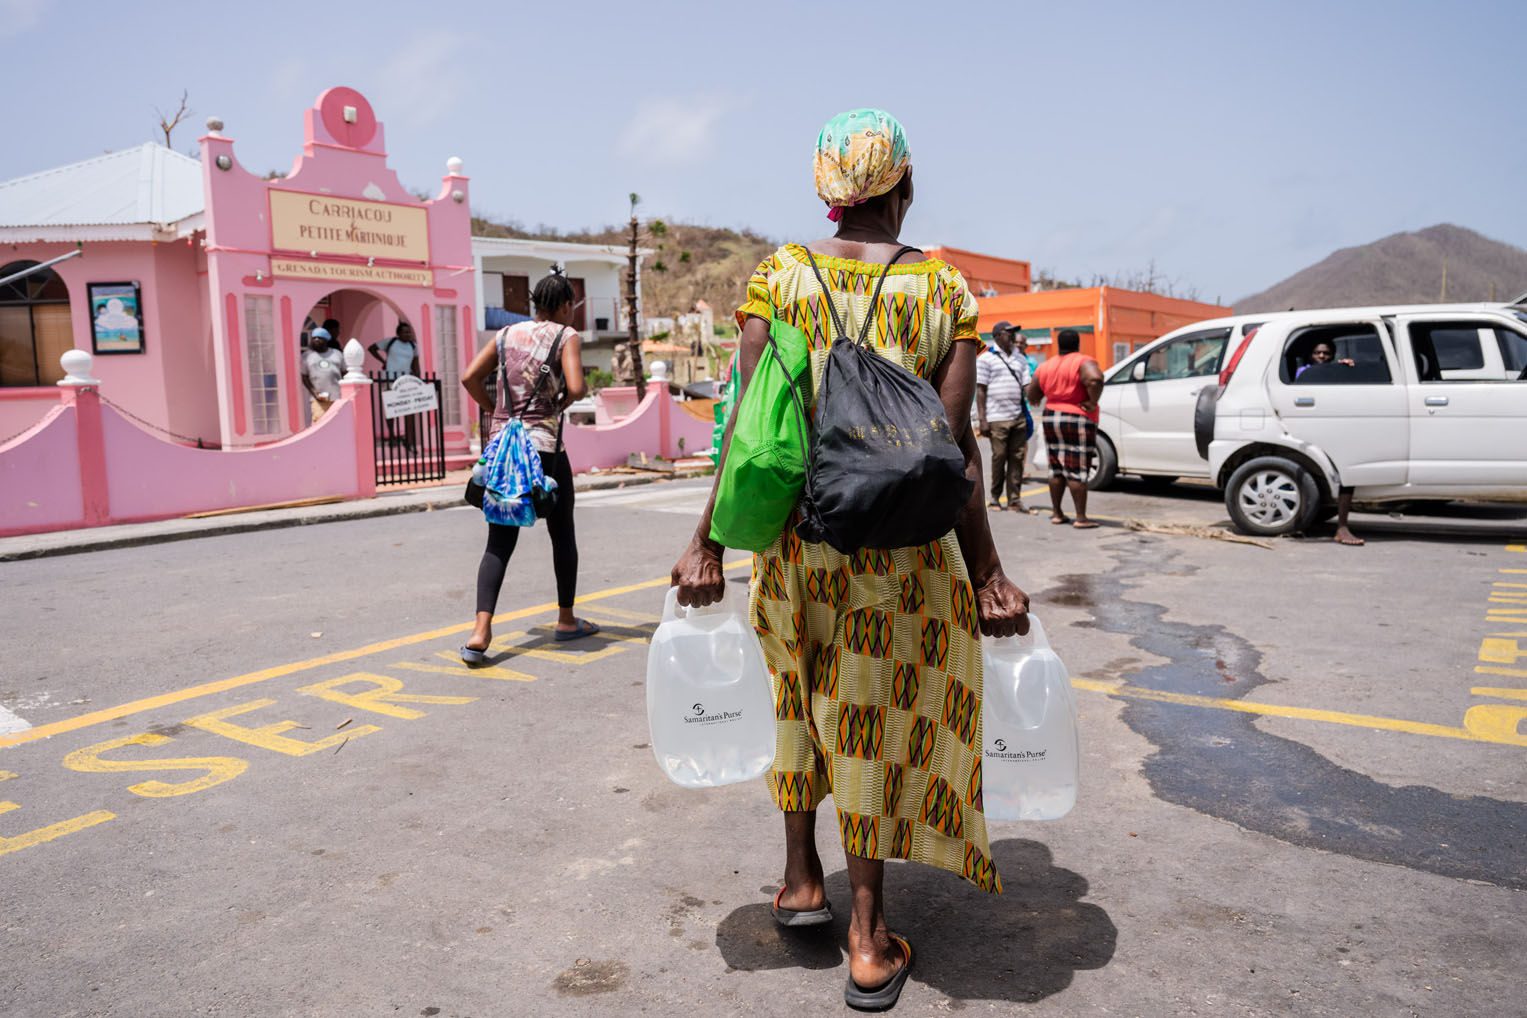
[{"x": 875, "y": 658}]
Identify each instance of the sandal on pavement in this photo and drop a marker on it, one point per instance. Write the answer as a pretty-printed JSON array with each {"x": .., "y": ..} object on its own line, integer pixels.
[
  {"x": 790, "y": 917},
  {"x": 472, "y": 656},
  {"x": 884, "y": 996},
  {"x": 584, "y": 628},
  {"x": 1059, "y": 520},
  {"x": 1084, "y": 525}
]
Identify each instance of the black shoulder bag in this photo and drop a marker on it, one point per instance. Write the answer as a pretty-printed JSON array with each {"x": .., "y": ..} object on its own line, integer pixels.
[{"x": 885, "y": 471}]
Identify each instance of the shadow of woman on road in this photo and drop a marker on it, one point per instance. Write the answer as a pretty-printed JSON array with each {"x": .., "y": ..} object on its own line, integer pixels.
[{"x": 1022, "y": 945}]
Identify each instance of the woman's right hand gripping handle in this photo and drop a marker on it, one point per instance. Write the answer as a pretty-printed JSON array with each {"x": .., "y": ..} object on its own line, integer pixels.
[{"x": 697, "y": 574}]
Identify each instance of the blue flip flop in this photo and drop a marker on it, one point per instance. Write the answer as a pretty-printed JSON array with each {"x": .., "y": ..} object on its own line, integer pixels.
[
  {"x": 585, "y": 628},
  {"x": 884, "y": 996},
  {"x": 472, "y": 656}
]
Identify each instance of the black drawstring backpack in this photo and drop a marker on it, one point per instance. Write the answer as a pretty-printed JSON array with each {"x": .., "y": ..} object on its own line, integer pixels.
[{"x": 885, "y": 471}]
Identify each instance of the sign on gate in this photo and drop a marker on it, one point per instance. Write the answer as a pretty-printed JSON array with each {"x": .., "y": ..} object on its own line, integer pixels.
[{"x": 407, "y": 395}]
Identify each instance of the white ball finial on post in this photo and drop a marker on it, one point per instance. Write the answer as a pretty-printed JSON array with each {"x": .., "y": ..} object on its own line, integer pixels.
[
  {"x": 77, "y": 365},
  {"x": 355, "y": 357},
  {"x": 453, "y": 166}
]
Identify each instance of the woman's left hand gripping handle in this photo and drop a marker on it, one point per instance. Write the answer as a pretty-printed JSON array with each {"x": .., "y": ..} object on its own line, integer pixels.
[
  {"x": 1002, "y": 608},
  {"x": 697, "y": 574}
]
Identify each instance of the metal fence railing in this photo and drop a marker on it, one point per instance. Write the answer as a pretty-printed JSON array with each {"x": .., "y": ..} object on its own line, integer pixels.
[{"x": 408, "y": 449}]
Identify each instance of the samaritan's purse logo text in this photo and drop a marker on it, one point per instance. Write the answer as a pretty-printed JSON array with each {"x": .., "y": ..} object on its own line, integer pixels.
[
  {"x": 697, "y": 716},
  {"x": 999, "y": 751}
]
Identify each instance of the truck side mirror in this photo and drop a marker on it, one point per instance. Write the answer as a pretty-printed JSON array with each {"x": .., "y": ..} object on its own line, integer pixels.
[{"x": 1138, "y": 371}]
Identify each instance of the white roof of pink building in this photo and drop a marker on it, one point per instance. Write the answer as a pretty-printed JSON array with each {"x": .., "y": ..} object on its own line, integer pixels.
[{"x": 137, "y": 194}]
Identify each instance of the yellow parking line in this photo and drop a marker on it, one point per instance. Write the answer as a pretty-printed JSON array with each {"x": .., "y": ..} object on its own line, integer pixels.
[
  {"x": 264, "y": 674},
  {"x": 1305, "y": 713}
]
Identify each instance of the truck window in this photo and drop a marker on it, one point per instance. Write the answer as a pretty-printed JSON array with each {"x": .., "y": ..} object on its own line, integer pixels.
[
  {"x": 1358, "y": 356},
  {"x": 1513, "y": 351},
  {"x": 1198, "y": 353}
]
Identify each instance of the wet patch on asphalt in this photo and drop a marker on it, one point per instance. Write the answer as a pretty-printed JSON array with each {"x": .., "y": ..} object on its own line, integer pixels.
[{"x": 1218, "y": 762}]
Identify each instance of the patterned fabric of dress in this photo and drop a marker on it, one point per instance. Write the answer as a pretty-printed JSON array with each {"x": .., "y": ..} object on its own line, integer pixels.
[
  {"x": 875, "y": 658},
  {"x": 523, "y": 349}
]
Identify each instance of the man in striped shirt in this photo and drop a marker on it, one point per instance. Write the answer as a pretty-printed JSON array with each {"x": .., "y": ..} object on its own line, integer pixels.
[{"x": 1002, "y": 374}]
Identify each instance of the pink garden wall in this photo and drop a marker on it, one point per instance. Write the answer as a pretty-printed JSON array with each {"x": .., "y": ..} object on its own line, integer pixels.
[{"x": 84, "y": 464}]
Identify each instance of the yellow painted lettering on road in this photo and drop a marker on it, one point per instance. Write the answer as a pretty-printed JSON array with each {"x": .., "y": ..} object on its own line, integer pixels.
[
  {"x": 218, "y": 768},
  {"x": 1497, "y": 722},
  {"x": 269, "y": 736},
  {"x": 265, "y": 674},
  {"x": 1498, "y": 651},
  {"x": 614, "y": 645},
  {"x": 1515, "y": 673},
  {"x": 482, "y": 672},
  {"x": 382, "y": 699},
  {"x": 36, "y": 837},
  {"x": 1504, "y": 694}
]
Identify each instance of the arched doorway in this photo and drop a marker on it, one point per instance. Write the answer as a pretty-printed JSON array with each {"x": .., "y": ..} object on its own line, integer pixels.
[
  {"x": 356, "y": 314},
  {"x": 35, "y": 326}
]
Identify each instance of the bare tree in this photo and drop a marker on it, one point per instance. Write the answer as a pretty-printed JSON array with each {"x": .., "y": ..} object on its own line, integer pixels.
[
  {"x": 633, "y": 330},
  {"x": 169, "y": 123}
]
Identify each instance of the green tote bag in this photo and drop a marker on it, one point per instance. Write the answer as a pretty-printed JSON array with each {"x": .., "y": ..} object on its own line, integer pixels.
[{"x": 765, "y": 465}]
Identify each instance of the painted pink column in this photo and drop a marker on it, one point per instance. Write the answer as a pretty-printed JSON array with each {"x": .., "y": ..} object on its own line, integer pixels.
[
  {"x": 77, "y": 390},
  {"x": 356, "y": 385}
]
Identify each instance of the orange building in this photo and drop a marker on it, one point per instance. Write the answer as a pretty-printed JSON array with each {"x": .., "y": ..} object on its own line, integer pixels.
[
  {"x": 986, "y": 275},
  {"x": 1113, "y": 323}
]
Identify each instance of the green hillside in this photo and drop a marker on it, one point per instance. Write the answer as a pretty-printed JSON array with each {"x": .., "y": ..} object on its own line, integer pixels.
[{"x": 689, "y": 263}]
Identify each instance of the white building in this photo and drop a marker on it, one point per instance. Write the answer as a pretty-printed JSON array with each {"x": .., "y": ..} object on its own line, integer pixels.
[{"x": 509, "y": 268}]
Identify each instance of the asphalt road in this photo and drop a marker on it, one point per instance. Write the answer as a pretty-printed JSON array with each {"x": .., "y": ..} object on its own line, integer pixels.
[{"x": 256, "y": 781}]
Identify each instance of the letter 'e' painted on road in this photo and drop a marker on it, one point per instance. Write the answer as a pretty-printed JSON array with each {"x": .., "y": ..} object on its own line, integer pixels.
[
  {"x": 1497, "y": 722},
  {"x": 219, "y": 768},
  {"x": 270, "y": 737},
  {"x": 380, "y": 700},
  {"x": 48, "y": 833}
]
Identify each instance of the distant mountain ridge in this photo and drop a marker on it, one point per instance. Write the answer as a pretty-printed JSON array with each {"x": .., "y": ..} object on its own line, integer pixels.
[{"x": 1405, "y": 268}]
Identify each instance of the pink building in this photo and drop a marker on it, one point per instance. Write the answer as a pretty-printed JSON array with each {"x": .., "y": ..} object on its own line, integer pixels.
[{"x": 195, "y": 283}]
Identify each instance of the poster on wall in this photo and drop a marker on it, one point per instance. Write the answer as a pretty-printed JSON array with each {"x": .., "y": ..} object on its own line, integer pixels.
[{"x": 116, "y": 318}]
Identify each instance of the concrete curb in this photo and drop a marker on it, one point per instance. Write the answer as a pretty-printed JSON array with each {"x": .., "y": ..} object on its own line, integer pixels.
[{"x": 392, "y": 503}]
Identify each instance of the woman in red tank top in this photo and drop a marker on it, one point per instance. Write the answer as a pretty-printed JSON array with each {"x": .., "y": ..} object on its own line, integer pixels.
[{"x": 1070, "y": 386}]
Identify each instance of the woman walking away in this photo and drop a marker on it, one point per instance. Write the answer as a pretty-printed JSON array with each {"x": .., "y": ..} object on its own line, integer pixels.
[
  {"x": 539, "y": 373},
  {"x": 874, "y": 657}
]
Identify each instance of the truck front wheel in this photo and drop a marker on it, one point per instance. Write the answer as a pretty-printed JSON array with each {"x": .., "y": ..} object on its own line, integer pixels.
[{"x": 1270, "y": 496}]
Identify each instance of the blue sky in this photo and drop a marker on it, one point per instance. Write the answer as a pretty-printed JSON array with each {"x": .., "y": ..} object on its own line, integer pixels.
[{"x": 1232, "y": 143}]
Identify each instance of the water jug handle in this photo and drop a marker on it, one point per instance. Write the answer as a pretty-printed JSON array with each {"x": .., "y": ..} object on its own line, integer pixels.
[
  {"x": 1037, "y": 632},
  {"x": 1036, "y": 637},
  {"x": 673, "y": 610}
]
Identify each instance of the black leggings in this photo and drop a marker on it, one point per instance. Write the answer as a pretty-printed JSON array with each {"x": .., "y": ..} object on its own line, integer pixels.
[{"x": 564, "y": 542}]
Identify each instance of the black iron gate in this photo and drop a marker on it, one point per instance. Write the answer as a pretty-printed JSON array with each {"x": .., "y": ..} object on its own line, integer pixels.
[{"x": 408, "y": 449}]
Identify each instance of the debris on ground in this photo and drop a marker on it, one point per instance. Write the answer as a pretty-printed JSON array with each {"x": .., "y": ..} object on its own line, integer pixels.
[{"x": 1193, "y": 530}]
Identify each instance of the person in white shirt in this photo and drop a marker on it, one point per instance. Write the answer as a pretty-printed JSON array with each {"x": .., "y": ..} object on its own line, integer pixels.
[
  {"x": 399, "y": 356},
  {"x": 322, "y": 368},
  {"x": 1002, "y": 375}
]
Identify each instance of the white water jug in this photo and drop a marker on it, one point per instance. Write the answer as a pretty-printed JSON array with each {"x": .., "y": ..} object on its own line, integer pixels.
[
  {"x": 1030, "y": 762},
  {"x": 709, "y": 704}
]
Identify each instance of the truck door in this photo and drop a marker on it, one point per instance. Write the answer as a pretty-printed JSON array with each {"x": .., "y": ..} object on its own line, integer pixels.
[
  {"x": 1156, "y": 411},
  {"x": 1352, "y": 407},
  {"x": 1467, "y": 402}
]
